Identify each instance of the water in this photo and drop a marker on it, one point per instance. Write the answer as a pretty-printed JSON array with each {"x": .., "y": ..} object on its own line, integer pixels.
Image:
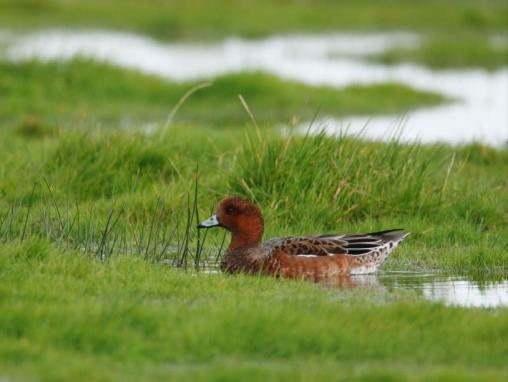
[
  {"x": 452, "y": 291},
  {"x": 477, "y": 110},
  {"x": 191, "y": 61},
  {"x": 458, "y": 291}
]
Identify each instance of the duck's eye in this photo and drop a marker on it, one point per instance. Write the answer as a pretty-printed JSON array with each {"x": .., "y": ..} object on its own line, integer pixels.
[{"x": 230, "y": 210}]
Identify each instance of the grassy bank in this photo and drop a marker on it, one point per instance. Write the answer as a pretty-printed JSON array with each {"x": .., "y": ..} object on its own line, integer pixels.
[
  {"x": 68, "y": 317},
  {"x": 76, "y": 183},
  {"x": 79, "y": 178}
]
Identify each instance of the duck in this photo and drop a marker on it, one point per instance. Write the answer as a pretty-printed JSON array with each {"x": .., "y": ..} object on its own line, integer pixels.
[{"x": 316, "y": 258}]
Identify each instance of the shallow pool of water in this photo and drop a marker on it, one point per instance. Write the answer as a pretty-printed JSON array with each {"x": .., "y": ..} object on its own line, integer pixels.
[
  {"x": 478, "y": 111},
  {"x": 451, "y": 290}
]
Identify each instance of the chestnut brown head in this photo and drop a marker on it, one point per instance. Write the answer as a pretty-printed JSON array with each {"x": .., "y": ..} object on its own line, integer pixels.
[{"x": 241, "y": 217}]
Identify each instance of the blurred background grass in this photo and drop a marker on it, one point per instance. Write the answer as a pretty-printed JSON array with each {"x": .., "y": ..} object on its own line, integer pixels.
[
  {"x": 456, "y": 32},
  {"x": 63, "y": 94},
  {"x": 199, "y": 19}
]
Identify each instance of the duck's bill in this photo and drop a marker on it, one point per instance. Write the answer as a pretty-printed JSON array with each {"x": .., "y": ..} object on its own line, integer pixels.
[{"x": 212, "y": 221}]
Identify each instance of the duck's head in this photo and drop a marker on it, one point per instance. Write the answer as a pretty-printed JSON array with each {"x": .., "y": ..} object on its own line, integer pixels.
[{"x": 242, "y": 218}]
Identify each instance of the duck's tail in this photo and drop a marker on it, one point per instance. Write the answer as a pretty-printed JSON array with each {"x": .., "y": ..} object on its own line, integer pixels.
[
  {"x": 394, "y": 235},
  {"x": 387, "y": 241}
]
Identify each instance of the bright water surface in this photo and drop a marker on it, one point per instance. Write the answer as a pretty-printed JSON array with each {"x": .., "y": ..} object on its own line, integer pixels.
[
  {"x": 478, "y": 99},
  {"x": 450, "y": 290}
]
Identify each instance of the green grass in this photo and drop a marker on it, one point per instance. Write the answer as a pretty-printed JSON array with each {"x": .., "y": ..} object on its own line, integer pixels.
[
  {"x": 452, "y": 51},
  {"x": 119, "y": 194},
  {"x": 65, "y": 316},
  {"x": 62, "y": 94},
  {"x": 458, "y": 32},
  {"x": 94, "y": 207},
  {"x": 200, "y": 19},
  {"x": 453, "y": 200}
]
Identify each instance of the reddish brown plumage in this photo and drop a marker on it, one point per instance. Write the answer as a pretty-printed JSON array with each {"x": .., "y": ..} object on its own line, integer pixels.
[
  {"x": 316, "y": 258},
  {"x": 244, "y": 220}
]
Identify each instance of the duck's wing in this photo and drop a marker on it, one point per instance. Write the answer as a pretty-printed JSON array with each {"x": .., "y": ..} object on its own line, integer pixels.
[{"x": 331, "y": 245}]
